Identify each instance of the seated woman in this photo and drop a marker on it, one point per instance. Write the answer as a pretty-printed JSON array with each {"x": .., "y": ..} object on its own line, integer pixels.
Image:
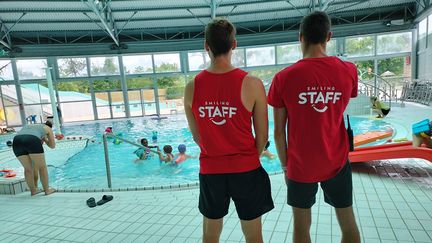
[{"x": 381, "y": 108}]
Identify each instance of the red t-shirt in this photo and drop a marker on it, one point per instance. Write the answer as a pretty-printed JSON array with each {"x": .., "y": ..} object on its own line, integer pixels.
[
  {"x": 224, "y": 124},
  {"x": 315, "y": 93}
]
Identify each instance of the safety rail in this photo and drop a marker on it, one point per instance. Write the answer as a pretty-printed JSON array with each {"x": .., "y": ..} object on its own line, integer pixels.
[
  {"x": 384, "y": 90},
  {"x": 105, "y": 145},
  {"x": 419, "y": 91},
  {"x": 371, "y": 90}
]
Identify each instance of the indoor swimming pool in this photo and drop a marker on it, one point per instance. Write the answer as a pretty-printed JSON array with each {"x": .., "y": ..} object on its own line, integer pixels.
[{"x": 85, "y": 167}]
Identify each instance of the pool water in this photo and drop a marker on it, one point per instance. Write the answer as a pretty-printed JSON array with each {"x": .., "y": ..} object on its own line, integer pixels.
[{"x": 86, "y": 169}]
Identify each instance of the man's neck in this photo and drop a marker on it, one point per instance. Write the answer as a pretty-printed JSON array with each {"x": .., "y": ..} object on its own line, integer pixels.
[
  {"x": 315, "y": 51},
  {"x": 221, "y": 64}
]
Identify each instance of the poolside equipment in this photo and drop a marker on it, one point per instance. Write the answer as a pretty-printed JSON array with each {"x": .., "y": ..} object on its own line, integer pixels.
[
  {"x": 142, "y": 153},
  {"x": 91, "y": 202},
  {"x": 398, "y": 140},
  {"x": 390, "y": 151},
  {"x": 350, "y": 135},
  {"x": 139, "y": 152},
  {"x": 7, "y": 173},
  {"x": 61, "y": 136},
  {"x": 371, "y": 136},
  {"x": 105, "y": 199},
  {"x": 422, "y": 128}
]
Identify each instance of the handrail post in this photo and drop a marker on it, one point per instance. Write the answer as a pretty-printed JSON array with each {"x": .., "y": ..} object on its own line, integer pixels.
[{"x": 107, "y": 164}]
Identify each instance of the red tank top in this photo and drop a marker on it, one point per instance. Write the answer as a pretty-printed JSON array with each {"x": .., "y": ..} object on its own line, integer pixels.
[{"x": 224, "y": 124}]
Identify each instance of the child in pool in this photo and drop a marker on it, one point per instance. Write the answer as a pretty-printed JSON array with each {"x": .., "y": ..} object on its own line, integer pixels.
[
  {"x": 169, "y": 157},
  {"x": 108, "y": 130},
  {"x": 154, "y": 137},
  {"x": 144, "y": 153},
  {"x": 182, "y": 156},
  {"x": 267, "y": 153}
]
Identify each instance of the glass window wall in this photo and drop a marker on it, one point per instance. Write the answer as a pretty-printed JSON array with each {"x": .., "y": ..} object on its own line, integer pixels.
[
  {"x": 198, "y": 60},
  {"x": 332, "y": 47},
  {"x": 171, "y": 93},
  {"x": 359, "y": 46},
  {"x": 422, "y": 33},
  {"x": 395, "y": 71},
  {"x": 6, "y": 70},
  {"x": 9, "y": 110},
  {"x": 72, "y": 67},
  {"x": 392, "y": 57},
  {"x": 394, "y": 43},
  {"x": 138, "y": 64},
  {"x": 165, "y": 63},
  {"x": 288, "y": 53},
  {"x": 103, "y": 66},
  {"x": 260, "y": 56},
  {"x": 31, "y": 68},
  {"x": 75, "y": 101},
  {"x": 429, "y": 31}
]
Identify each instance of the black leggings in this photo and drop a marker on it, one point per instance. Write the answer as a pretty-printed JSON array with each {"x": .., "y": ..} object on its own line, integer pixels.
[{"x": 27, "y": 144}]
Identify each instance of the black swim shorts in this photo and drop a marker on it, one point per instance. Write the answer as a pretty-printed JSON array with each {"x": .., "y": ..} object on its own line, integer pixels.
[
  {"x": 337, "y": 191},
  {"x": 250, "y": 192},
  {"x": 27, "y": 144}
]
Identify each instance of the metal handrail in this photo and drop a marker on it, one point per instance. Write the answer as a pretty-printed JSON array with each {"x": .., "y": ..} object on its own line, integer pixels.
[
  {"x": 371, "y": 87},
  {"x": 105, "y": 145},
  {"x": 387, "y": 93}
]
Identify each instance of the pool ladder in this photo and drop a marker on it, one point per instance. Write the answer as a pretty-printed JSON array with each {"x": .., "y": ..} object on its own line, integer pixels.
[{"x": 105, "y": 145}]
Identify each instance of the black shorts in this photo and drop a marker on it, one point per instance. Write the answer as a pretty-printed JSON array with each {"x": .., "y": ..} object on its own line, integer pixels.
[
  {"x": 250, "y": 192},
  {"x": 26, "y": 144},
  {"x": 337, "y": 191},
  {"x": 385, "y": 111}
]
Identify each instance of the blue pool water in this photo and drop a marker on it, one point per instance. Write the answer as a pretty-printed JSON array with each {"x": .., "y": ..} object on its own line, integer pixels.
[{"x": 87, "y": 170}]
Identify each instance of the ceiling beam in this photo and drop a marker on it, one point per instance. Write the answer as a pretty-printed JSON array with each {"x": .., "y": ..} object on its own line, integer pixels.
[
  {"x": 213, "y": 7},
  {"x": 325, "y": 4},
  {"x": 198, "y": 17},
  {"x": 4, "y": 33},
  {"x": 8, "y": 46},
  {"x": 103, "y": 12},
  {"x": 144, "y": 8}
]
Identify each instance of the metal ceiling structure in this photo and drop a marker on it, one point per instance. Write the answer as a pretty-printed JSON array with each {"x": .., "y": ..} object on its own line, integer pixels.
[{"x": 66, "y": 27}]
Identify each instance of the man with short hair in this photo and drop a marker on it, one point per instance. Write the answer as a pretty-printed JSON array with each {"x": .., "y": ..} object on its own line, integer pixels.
[
  {"x": 220, "y": 105},
  {"x": 310, "y": 97}
]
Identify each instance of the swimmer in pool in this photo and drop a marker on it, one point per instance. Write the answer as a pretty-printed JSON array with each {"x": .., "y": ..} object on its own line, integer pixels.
[
  {"x": 182, "y": 156},
  {"x": 168, "y": 157},
  {"x": 144, "y": 153}
]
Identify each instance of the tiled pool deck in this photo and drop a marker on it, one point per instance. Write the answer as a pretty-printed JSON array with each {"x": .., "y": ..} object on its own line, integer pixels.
[{"x": 392, "y": 202}]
